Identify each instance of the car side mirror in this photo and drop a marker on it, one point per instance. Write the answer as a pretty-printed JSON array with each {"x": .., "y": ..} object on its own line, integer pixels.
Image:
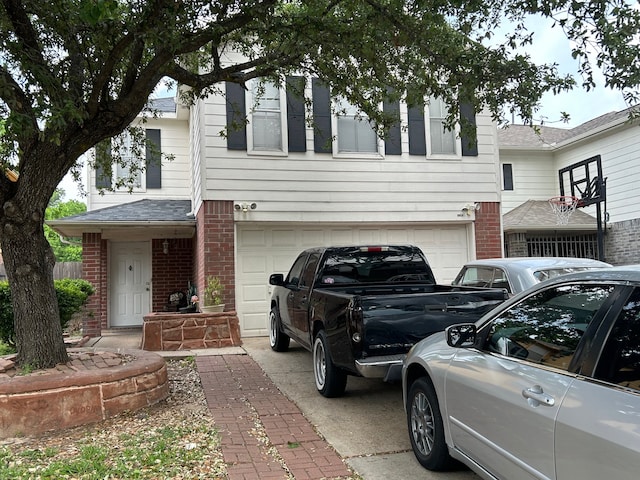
[
  {"x": 276, "y": 279},
  {"x": 461, "y": 336}
]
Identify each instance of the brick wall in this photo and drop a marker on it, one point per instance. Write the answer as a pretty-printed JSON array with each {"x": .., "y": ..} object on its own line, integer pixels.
[
  {"x": 214, "y": 248},
  {"x": 171, "y": 271},
  {"x": 487, "y": 231},
  {"x": 94, "y": 270},
  {"x": 621, "y": 242}
]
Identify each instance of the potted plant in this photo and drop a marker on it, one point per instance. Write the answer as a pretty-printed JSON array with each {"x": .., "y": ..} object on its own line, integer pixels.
[{"x": 213, "y": 295}]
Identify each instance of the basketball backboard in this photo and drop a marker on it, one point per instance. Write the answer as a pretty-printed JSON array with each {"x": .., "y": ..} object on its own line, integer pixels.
[{"x": 585, "y": 181}]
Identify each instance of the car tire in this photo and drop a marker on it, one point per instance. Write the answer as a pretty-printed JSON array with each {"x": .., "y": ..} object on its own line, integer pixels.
[
  {"x": 331, "y": 381},
  {"x": 426, "y": 430},
  {"x": 278, "y": 340}
]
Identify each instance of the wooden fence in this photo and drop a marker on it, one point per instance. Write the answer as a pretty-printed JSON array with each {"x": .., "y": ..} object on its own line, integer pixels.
[{"x": 60, "y": 270}]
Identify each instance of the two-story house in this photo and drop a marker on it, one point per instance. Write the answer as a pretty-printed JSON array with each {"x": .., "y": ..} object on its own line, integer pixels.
[
  {"x": 534, "y": 164},
  {"x": 240, "y": 200}
]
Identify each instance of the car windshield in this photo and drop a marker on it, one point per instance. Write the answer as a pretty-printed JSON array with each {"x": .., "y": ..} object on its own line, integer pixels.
[{"x": 542, "y": 275}]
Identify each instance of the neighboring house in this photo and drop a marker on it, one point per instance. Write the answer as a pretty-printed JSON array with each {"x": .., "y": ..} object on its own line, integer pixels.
[
  {"x": 530, "y": 164},
  {"x": 242, "y": 205}
]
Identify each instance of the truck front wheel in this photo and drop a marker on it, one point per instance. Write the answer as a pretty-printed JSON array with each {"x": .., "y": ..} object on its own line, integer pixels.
[
  {"x": 278, "y": 340},
  {"x": 330, "y": 380}
]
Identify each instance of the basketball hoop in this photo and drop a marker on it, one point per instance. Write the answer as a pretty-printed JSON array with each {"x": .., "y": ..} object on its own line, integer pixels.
[{"x": 563, "y": 207}]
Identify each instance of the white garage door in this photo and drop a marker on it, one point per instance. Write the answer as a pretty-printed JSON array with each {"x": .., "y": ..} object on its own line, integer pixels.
[{"x": 262, "y": 250}]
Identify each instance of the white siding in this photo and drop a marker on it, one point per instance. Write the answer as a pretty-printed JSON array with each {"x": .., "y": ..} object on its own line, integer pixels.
[
  {"x": 175, "y": 173},
  {"x": 320, "y": 187},
  {"x": 620, "y": 152},
  {"x": 535, "y": 177}
]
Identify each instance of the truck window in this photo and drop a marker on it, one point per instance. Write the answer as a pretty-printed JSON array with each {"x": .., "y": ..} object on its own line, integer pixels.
[
  {"x": 356, "y": 266},
  {"x": 310, "y": 270},
  {"x": 293, "y": 278}
]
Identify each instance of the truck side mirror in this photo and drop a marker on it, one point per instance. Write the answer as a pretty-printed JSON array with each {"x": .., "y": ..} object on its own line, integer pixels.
[{"x": 276, "y": 279}]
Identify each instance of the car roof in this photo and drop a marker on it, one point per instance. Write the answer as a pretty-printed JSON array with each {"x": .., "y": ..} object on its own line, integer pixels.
[{"x": 537, "y": 263}]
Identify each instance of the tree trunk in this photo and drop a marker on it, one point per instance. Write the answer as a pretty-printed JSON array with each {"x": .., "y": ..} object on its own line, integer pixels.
[{"x": 29, "y": 262}]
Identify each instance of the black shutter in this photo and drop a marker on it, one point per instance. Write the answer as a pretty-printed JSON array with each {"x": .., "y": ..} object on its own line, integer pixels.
[
  {"x": 416, "y": 130},
  {"x": 154, "y": 160},
  {"x": 236, "y": 116},
  {"x": 392, "y": 140},
  {"x": 295, "y": 115},
  {"x": 469, "y": 144},
  {"x": 103, "y": 175},
  {"x": 321, "y": 117}
]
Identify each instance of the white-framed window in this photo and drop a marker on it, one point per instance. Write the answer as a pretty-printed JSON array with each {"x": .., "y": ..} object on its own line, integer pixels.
[
  {"x": 354, "y": 132},
  {"x": 130, "y": 154},
  {"x": 266, "y": 132},
  {"x": 442, "y": 141}
]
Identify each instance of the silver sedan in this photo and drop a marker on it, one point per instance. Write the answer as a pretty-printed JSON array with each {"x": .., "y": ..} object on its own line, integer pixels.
[
  {"x": 546, "y": 386},
  {"x": 516, "y": 274}
]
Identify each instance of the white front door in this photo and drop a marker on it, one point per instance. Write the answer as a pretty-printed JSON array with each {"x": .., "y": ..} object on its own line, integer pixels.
[{"x": 130, "y": 283}]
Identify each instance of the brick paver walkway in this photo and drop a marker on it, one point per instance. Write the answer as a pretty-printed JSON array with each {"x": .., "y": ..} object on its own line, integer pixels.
[{"x": 264, "y": 434}]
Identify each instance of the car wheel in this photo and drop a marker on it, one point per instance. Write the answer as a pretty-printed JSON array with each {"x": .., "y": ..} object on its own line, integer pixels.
[
  {"x": 426, "y": 430},
  {"x": 278, "y": 340},
  {"x": 330, "y": 380}
]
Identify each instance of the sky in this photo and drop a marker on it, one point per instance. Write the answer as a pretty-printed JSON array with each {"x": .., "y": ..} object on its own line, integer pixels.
[{"x": 550, "y": 45}]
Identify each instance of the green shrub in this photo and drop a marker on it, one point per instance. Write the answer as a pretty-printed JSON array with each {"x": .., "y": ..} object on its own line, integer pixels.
[{"x": 72, "y": 295}]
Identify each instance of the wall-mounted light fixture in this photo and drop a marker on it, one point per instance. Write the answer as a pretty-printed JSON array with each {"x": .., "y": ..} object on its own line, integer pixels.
[
  {"x": 165, "y": 247},
  {"x": 245, "y": 207},
  {"x": 468, "y": 208}
]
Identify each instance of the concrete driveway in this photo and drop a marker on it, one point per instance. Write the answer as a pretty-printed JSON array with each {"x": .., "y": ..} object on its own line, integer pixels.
[{"x": 366, "y": 426}]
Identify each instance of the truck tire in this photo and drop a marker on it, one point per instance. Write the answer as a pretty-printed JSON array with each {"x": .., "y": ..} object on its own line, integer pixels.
[
  {"x": 330, "y": 380},
  {"x": 426, "y": 430},
  {"x": 278, "y": 340}
]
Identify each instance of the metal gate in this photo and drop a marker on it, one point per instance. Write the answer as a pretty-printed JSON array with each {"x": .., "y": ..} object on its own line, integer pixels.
[{"x": 563, "y": 245}]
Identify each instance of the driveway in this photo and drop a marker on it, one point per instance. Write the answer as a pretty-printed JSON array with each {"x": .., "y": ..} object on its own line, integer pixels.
[{"x": 366, "y": 426}]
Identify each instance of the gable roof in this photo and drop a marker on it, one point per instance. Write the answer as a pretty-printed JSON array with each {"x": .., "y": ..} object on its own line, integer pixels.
[
  {"x": 537, "y": 215},
  {"x": 525, "y": 136},
  {"x": 147, "y": 214}
]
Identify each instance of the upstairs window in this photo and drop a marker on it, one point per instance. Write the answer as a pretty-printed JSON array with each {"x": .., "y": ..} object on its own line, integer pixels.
[
  {"x": 442, "y": 140},
  {"x": 128, "y": 169},
  {"x": 265, "y": 132},
  {"x": 354, "y": 131}
]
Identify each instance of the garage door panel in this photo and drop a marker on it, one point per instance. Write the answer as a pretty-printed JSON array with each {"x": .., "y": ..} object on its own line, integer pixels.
[
  {"x": 275, "y": 249},
  {"x": 284, "y": 238},
  {"x": 252, "y": 237}
]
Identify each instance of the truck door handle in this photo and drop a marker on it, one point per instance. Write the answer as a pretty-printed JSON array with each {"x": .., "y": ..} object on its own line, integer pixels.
[{"x": 535, "y": 396}]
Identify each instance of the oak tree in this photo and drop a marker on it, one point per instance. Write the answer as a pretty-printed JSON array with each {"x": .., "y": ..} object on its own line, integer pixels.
[{"x": 74, "y": 73}]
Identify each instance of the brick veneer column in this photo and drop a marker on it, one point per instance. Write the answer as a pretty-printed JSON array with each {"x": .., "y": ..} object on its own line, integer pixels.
[
  {"x": 94, "y": 270},
  {"x": 487, "y": 230},
  {"x": 215, "y": 247}
]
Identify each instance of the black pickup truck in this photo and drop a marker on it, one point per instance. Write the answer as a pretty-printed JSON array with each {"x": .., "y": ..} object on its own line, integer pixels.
[{"x": 360, "y": 309}]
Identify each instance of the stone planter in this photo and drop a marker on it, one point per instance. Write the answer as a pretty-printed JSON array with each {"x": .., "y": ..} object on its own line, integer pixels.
[{"x": 212, "y": 308}]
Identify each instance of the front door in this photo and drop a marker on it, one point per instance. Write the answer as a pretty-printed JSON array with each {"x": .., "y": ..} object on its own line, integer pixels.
[{"x": 130, "y": 283}]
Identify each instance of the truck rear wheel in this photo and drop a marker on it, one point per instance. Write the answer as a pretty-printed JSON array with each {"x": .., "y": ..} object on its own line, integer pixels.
[
  {"x": 278, "y": 340},
  {"x": 330, "y": 380}
]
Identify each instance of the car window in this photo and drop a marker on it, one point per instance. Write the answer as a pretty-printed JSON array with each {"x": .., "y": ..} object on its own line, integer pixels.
[
  {"x": 500, "y": 280},
  {"x": 293, "y": 278},
  {"x": 546, "y": 274},
  {"x": 546, "y": 328},
  {"x": 477, "y": 277},
  {"x": 620, "y": 358}
]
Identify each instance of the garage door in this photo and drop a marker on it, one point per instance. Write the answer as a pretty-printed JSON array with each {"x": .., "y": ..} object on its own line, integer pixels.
[{"x": 262, "y": 250}]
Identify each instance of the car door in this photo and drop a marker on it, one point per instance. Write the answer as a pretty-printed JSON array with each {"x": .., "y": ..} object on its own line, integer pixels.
[
  {"x": 287, "y": 300},
  {"x": 598, "y": 426},
  {"x": 503, "y": 398},
  {"x": 298, "y": 300}
]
